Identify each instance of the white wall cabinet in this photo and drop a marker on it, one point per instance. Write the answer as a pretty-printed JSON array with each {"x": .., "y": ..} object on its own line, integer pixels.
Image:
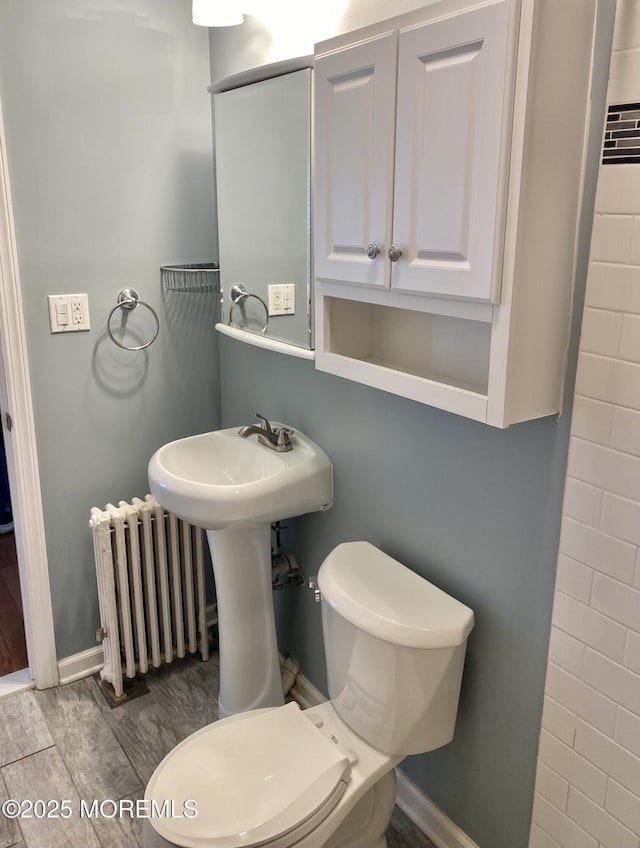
[
  {"x": 412, "y": 153},
  {"x": 449, "y": 154}
]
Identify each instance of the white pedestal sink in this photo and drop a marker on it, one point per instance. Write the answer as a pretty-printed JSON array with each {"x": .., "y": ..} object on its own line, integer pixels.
[{"x": 235, "y": 488}]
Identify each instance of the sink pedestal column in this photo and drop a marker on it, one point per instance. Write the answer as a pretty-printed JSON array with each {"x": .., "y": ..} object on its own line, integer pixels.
[{"x": 249, "y": 663}]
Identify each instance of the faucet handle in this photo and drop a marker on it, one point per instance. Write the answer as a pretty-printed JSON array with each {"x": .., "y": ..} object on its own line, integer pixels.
[
  {"x": 283, "y": 437},
  {"x": 265, "y": 424}
]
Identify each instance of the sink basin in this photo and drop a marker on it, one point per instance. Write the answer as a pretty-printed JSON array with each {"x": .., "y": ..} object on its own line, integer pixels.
[
  {"x": 236, "y": 488},
  {"x": 218, "y": 480}
]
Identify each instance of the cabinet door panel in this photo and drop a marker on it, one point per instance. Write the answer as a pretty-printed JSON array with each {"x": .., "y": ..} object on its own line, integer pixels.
[
  {"x": 355, "y": 121},
  {"x": 451, "y": 92}
]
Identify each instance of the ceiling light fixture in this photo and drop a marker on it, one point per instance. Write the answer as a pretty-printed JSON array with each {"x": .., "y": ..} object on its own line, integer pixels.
[{"x": 216, "y": 13}]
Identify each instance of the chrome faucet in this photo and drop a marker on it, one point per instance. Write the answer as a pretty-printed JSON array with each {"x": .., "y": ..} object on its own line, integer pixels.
[{"x": 278, "y": 440}]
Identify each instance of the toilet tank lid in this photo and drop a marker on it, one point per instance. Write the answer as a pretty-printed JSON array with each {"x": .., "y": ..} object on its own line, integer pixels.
[{"x": 386, "y": 599}]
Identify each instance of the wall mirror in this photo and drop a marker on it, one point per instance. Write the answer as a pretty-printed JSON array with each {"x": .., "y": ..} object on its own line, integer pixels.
[{"x": 263, "y": 172}]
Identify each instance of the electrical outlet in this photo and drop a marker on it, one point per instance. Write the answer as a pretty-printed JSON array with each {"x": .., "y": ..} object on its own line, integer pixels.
[
  {"x": 68, "y": 313},
  {"x": 282, "y": 299},
  {"x": 77, "y": 312}
]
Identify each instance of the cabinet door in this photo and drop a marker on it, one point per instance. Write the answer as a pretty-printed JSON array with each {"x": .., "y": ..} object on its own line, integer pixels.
[
  {"x": 355, "y": 127},
  {"x": 452, "y": 79}
]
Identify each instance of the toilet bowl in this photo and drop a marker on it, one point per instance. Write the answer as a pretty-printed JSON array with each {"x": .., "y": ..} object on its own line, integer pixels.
[
  {"x": 282, "y": 776},
  {"x": 299, "y": 776}
]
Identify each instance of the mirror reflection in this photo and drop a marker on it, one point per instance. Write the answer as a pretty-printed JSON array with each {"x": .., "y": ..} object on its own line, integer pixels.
[{"x": 263, "y": 163}]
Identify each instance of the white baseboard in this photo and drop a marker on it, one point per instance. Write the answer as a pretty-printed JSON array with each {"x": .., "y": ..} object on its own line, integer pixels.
[
  {"x": 305, "y": 693},
  {"x": 427, "y": 817},
  {"x": 412, "y": 801},
  {"x": 80, "y": 665}
]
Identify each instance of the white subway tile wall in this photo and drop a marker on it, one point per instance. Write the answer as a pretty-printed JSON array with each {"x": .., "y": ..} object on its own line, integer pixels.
[{"x": 588, "y": 779}]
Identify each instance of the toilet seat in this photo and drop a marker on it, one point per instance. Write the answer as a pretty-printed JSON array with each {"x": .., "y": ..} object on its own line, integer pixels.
[{"x": 262, "y": 778}]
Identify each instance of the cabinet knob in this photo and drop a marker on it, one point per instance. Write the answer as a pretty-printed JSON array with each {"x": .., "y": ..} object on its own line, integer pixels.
[
  {"x": 373, "y": 250},
  {"x": 394, "y": 253}
]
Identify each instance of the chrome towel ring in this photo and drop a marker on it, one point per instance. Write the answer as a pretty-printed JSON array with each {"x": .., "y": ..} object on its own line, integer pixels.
[
  {"x": 128, "y": 299},
  {"x": 240, "y": 295}
]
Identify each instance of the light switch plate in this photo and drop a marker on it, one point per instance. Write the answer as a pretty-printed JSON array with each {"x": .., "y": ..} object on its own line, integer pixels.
[{"x": 68, "y": 313}]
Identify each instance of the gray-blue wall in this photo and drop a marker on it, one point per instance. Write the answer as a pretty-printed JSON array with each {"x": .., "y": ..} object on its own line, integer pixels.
[{"x": 108, "y": 130}]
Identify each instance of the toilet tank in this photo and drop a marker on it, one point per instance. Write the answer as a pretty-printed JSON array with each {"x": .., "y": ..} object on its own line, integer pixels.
[{"x": 395, "y": 647}]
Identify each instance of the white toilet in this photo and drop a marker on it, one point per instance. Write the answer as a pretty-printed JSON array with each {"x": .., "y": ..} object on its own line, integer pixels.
[{"x": 281, "y": 777}]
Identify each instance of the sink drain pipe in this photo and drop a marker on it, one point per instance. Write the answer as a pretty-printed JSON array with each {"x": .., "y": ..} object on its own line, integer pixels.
[{"x": 285, "y": 572}]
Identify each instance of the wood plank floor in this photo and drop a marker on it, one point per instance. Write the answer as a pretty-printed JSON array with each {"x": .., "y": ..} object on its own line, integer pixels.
[
  {"x": 13, "y": 648},
  {"x": 68, "y": 743}
]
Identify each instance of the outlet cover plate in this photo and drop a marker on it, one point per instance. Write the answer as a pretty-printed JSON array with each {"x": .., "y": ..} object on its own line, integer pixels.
[
  {"x": 282, "y": 299},
  {"x": 68, "y": 313}
]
